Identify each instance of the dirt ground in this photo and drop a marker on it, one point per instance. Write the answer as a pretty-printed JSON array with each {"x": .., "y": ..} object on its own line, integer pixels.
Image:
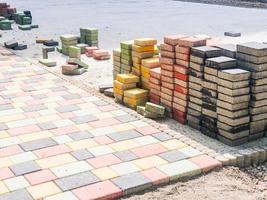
[{"x": 226, "y": 184}]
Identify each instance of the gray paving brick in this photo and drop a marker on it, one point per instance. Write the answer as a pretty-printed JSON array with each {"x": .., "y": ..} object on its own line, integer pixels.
[
  {"x": 126, "y": 118},
  {"x": 16, "y": 195},
  {"x": 126, "y": 155},
  {"x": 6, "y": 107},
  {"x": 8, "y": 96},
  {"x": 100, "y": 103},
  {"x": 25, "y": 168},
  {"x": 37, "y": 144},
  {"x": 3, "y": 127},
  {"x": 162, "y": 136},
  {"x": 71, "y": 96},
  {"x": 47, "y": 126},
  {"x": 68, "y": 108},
  {"x": 80, "y": 135},
  {"x": 39, "y": 96},
  {"x": 173, "y": 156},
  {"x": 131, "y": 183},
  {"x": 124, "y": 135},
  {"x": 83, "y": 119},
  {"x": 75, "y": 181},
  {"x": 82, "y": 154},
  {"x": 59, "y": 88},
  {"x": 33, "y": 108}
]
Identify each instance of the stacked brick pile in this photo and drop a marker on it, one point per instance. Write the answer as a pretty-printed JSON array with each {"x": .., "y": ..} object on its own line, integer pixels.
[
  {"x": 126, "y": 56},
  {"x": 210, "y": 93},
  {"x": 147, "y": 65},
  {"x": 196, "y": 75},
  {"x": 253, "y": 57},
  {"x": 67, "y": 41},
  {"x": 135, "y": 97},
  {"x": 116, "y": 62},
  {"x": 232, "y": 106},
  {"x": 101, "y": 54},
  {"x": 154, "y": 84},
  {"x": 89, "y": 36},
  {"x": 6, "y": 10},
  {"x": 182, "y": 54},
  {"x": 89, "y": 51}
]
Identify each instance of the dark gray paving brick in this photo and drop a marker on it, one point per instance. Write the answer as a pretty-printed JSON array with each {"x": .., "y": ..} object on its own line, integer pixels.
[
  {"x": 82, "y": 154},
  {"x": 131, "y": 183},
  {"x": 162, "y": 136},
  {"x": 126, "y": 155},
  {"x": 124, "y": 135},
  {"x": 173, "y": 156},
  {"x": 47, "y": 126},
  {"x": 83, "y": 119},
  {"x": 25, "y": 168},
  {"x": 34, "y": 108},
  {"x": 68, "y": 108},
  {"x": 75, "y": 181},
  {"x": 126, "y": 118},
  {"x": 16, "y": 195},
  {"x": 37, "y": 144},
  {"x": 80, "y": 135}
]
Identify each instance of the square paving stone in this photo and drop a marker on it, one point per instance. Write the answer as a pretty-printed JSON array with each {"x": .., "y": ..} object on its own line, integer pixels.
[
  {"x": 76, "y": 181},
  {"x": 67, "y": 108},
  {"x": 25, "y": 168},
  {"x": 84, "y": 119},
  {"x": 173, "y": 156},
  {"x": 80, "y": 135},
  {"x": 162, "y": 136},
  {"x": 126, "y": 155},
  {"x": 37, "y": 144},
  {"x": 124, "y": 135},
  {"x": 47, "y": 126},
  {"x": 131, "y": 183},
  {"x": 82, "y": 154},
  {"x": 126, "y": 118},
  {"x": 22, "y": 194}
]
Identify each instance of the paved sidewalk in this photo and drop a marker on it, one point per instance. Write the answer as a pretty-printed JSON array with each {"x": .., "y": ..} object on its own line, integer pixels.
[{"x": 58, "y": 141}]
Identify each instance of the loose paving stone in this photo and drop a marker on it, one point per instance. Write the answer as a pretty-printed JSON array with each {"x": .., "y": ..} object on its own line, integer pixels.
[
  {"x": 80, "y": 135},
  {"x": 37, "y": 144},
  {"x": 25, "y": 168},
  {"x": 76, "y": 181},
  {"x": 22, "y": 194}
]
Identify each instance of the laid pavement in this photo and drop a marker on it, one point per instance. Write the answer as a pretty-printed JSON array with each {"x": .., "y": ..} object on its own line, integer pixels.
[{"x": 59, "y": 141}]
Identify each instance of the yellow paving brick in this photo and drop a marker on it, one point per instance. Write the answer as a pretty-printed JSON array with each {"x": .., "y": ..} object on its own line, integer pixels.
[
  {"x": 43, "y": 190},
  {"x": 11, "y": 118},
  {"x": 149, "y": 162},
  {"x": 35, "y": 136},
  {"x": 82, "y": 144},
  {"x": 105, "y": 173},
  {"x": 48, "y": 118},
  {"x": 3, "y": 134},
  {"x": 55, "y": 161},
  {"x": 123, "y": 127},
  {"x": 3, "y": 188},
  {"x": 5, "y": 162},
  {"x": 124, "y": 145},
  {"x": 174, "y": 144}
]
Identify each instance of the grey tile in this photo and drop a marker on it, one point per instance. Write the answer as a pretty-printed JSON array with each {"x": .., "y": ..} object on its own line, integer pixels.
[
  {"x": 131, "y": 183},
  {"x": 34, "y": 108},
  {"x": 162, "y": 136},
  {"x": 71, "y": 96},
  {"x": 83, "y": 119},
  {"x": 37, "y": 144},
  {"x": 82, "y": 154},
  {"x": 16, "y": 195},
  {"x": 68, "y": 108},
  {"x": 80, "y": 135},
  {"x": 126, "y": 118},
  {"x": 39, "y": 96},
  {"x": 47, "y": 125},
  {"x": 75, "y": 181},
  {"x": 126, "y": 155},
  {"x": 124, "y": 135},
  {"x": 173, "y": 156},
  {"x": 25, "y": 168},
  {"x": 6, "y": 107}
]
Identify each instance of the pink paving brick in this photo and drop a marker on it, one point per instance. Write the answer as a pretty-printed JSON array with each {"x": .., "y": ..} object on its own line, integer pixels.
[
  {"x": 65, "y": 130},
  {"x": 52, "y": 151},
  {"x": 5, "y": 173},
  {"x": 23, "y": 130},
  {"x": 40, "y": 177},
  {"x": 32, "y": 114},
  {"x": 70, "y": 102},
  {"x": 149, "y": 150},
  {"x": 103, "y": 140},
  {"x": 102, "y": 190},
  {"x": 103, "y": 161},
  {"x": 104, "y": 122},
  {"x": 156, "y": 176},
  {"x": 147, "y": 130},
  {"x": 10, "y": 150},
  {"x": 107, "y": 108},
  {"x": 206, "y": 163}
]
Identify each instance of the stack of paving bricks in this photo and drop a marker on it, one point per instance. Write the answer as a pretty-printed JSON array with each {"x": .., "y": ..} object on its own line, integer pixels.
[
  {"x": 142, "y": 49},
  {"x": 252, "y": 56},
  {"x": 89, "y": 51},
  {"x": 126, "y": 56},
  {"x": 124, "y": 82},
  {"x": 181, "y": 77},
  {"x": 135, "y": 97},
  {"x": 167, "y": 61},
  {"x": 210, "y": 93},
  {"x": 154, "y": 84},
  {"x": 89, "y": 36},
  {"x": 101, "y": 54},
  {"x": 6, "y": 10},
  {"x": 74, "y": 52},
  {"x": 116, "y": 62},
  {"x": 6, "y": 24},
  {"x": 198, "y": 58},
  {"x": 67, "y": 41},
  {"x": 233, "y": 106}
]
